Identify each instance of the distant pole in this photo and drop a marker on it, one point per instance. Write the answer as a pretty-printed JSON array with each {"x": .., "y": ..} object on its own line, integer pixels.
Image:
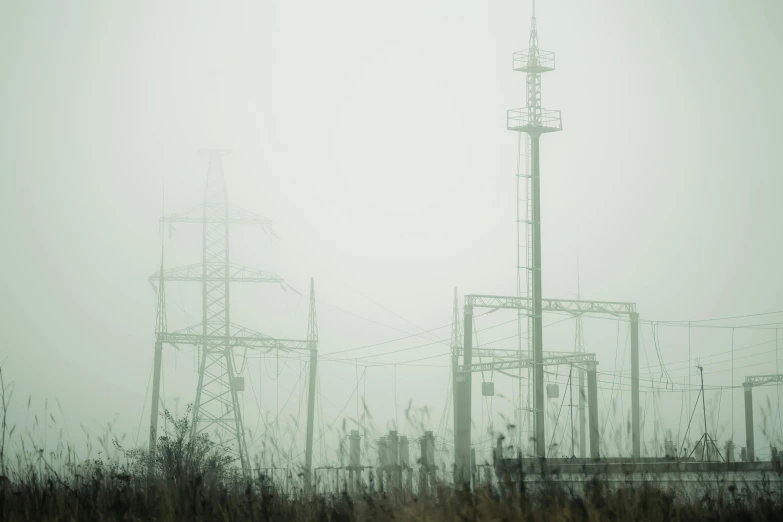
[
  {"x": 704, "y": 411},
  {"x": 462, "y": 437},
  {"x": 635, "y": 413},
  {"x": 456, "y": 346},
  {"x": 579, "y": 347},
  {"x": 160, "y": 329},
  {"x": 592, "y": 407},
  {"x": 312, "y": 337},
  {"x": 155, "y": 402},
  {"x": 750, "y": 445}
]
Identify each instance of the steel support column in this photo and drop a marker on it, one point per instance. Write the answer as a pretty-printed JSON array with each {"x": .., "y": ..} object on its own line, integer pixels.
[
  {"x": 750, "y": 446},
  {"x": 310, "y": 423},
  {"x": 635, "y": 417},
  {"x": 538, "y": 326},
  {"x": 456, "y": 390},
  {"x": 592, "y": 405},
  {"x": 155, "y": 402},
  {"x": 464, "y": 385},
  {"x": 582, "y": 417}
]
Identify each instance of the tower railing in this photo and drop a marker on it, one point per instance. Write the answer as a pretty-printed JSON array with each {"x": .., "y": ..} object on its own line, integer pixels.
[
  {"x": 545, "y": 121},
  {"x": 526, "y": 61}
]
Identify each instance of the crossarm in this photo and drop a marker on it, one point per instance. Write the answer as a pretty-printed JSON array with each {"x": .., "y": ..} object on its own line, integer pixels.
[
  {"x": 760, "y": 380},
  {"x": 526, "y": 362},
  {"x": 572, "y": 306}
]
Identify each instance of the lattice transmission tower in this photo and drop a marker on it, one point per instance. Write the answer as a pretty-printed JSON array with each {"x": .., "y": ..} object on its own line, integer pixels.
[{"x": 217, "y": 408}]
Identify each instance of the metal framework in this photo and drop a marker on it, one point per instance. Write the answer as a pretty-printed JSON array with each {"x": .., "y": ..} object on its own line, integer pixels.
[
  {"x": 216, "y": 409},
  {"x": 539, "y": 359},
  {"x": 496, "y": 353},
  {"x": 237, "y": 274},
  {"x": 752, "y": 381},
  {"x": 761, "y": 380},
  {"x": 571, "y": 306},
  {"x": 585, "y": 362},
  {"x": 576, "y": 359}
]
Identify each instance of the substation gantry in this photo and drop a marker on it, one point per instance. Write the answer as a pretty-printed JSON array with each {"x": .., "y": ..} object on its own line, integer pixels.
[
  {"x": 216, "y": 409},
  {"x": 463, "y": 385},
  {"x": 750, "y": 382}
]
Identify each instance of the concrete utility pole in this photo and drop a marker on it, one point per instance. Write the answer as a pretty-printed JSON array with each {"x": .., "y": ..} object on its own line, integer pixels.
[{"x": 535, "y": 121}]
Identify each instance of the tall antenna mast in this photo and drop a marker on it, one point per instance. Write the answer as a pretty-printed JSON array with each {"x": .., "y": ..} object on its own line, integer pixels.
[{"x": 533, "y": 121}]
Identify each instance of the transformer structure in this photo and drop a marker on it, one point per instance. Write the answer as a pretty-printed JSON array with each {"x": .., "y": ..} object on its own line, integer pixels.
[
  {"x": 394, "y": 472},
  {"x": 534, "y": 121},
  {"x": 514, "y": 360},
  {"x": 217, "y": 408}
]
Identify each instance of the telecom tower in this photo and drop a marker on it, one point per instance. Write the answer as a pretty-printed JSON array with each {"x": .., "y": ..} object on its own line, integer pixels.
[
  {"x": 216, "y": 409},
  {"x": 534, "y": 121}
]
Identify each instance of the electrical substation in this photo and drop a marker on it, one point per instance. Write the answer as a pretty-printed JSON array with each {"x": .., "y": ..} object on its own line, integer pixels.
[{"x": 414, "y": 463}]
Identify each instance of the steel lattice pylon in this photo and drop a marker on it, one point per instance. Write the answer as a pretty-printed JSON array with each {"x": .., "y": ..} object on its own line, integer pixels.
[{"x": 216, "y": 409}]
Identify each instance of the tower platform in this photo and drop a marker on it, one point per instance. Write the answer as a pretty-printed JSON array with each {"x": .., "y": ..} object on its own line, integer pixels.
[
  {"x": 520, "y": 120},
  {"x": 526, "y": 61}
]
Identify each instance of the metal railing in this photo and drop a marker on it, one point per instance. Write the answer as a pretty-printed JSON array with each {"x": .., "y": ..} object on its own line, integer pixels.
[
  {"x": 536, "y": 61},
  {"x": 542, "y": 119}
]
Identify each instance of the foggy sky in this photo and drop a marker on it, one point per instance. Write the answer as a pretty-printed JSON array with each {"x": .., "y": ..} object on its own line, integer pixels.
[{"x": 373, "y": 134}]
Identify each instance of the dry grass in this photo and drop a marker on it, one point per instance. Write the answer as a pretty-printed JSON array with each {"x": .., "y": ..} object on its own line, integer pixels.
[{"x": 193, "y": 479}]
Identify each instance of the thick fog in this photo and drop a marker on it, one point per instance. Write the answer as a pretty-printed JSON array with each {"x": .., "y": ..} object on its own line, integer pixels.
[{"x": 373, "y": 135}]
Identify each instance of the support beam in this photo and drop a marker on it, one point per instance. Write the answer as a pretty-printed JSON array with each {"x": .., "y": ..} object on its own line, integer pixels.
[
  {"x": 155, "y": 404},
  {"x": 635, "y": 416},
  {"x": 456, "y": 391},
  {"x": 310, "y": 423},
  {"x": 592, "y": 406},
  {"x": 312, "y": 336},
  {"x": 537, "y": 316},
  {"x": 456, "y": 351},
  {"x": 568, "y": 358},
  {"x": 750, "y": 446},
  {"x": 464, "y": 385},
  {"x": 571, "y": 306},
  {"x": 582, "y": 416}
]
